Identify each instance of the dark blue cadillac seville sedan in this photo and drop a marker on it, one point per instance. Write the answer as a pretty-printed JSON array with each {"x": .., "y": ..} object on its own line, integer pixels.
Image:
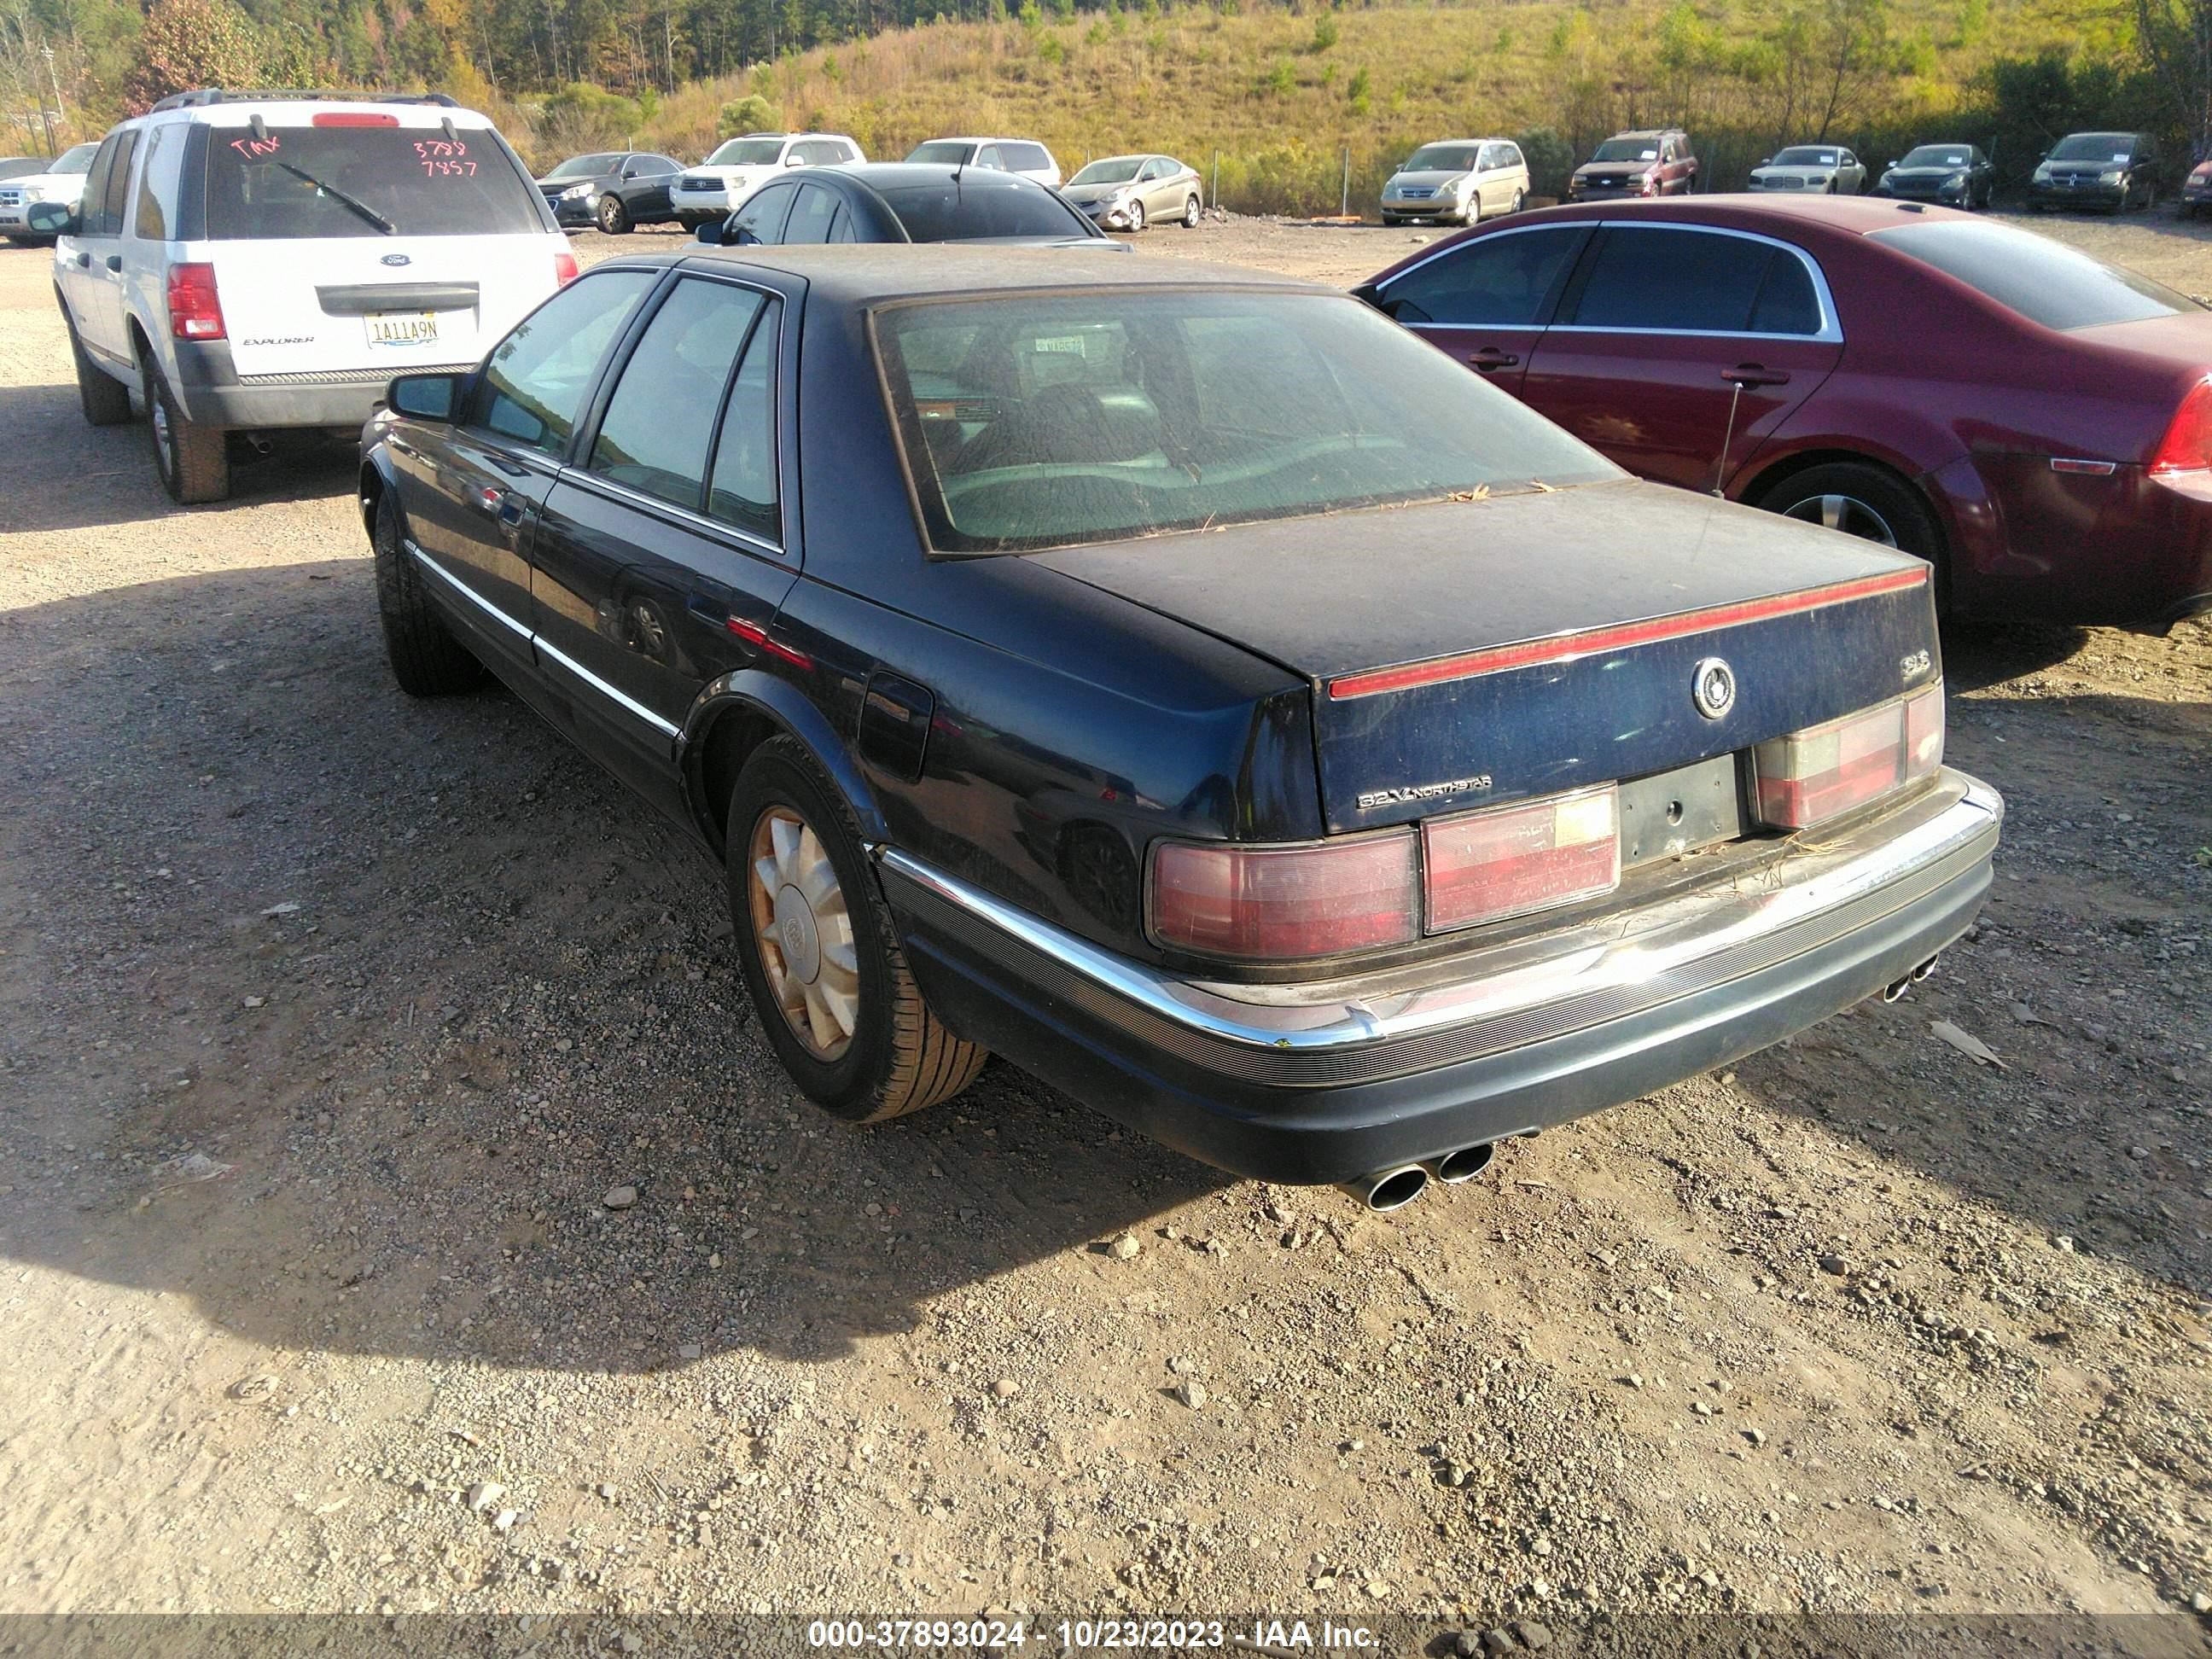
[{"x": 1187, "y": 684}]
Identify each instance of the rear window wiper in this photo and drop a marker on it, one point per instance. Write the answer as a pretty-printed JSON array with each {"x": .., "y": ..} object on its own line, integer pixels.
[{"x": 342, "y": 199}]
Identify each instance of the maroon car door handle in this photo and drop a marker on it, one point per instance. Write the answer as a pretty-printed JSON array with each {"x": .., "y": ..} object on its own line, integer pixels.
[
  {"x": 1490, "y": 357},
  {"x": 1755, "y": 375}
]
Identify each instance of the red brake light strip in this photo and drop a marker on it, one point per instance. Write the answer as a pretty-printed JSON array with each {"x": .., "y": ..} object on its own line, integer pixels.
[{"x": 1558, "y": 647}]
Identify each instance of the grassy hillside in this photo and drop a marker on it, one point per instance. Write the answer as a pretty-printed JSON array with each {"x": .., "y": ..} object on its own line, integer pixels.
[{"x": 1281, "y": 94}]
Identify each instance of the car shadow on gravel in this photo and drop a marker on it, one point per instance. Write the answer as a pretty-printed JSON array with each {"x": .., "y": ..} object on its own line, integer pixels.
[
  {"x": 1977, "y": 654},
  {"x": 369, "y": 1009},
  {"x": 57, "y": 473}
]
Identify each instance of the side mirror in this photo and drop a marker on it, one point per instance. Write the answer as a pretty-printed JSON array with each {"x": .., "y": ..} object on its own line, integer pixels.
[
  {"x": 53, "y": 219},
  {"x": 794, "y": 161},
  {"x": 424, "y": 397},
  {"x": 1766, "y": 161},
  {"x": 709, "y": 233}
]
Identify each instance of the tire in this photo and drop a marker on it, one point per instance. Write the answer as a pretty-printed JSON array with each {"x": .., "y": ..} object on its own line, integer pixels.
[
  {"x": 426, "y": 659},
  {"x": 857, "y": 1038},
  {"x": 614, "y": 218},
  {"x": 192, "y": 456},
  {"x": 105, "y": 400},
  {"x": 1136, "y": 217},
  {"x": 1191, "y": 211},
  {"x": 1865, "y": 500},
  {"x": 1391, "y": 220},
  {"x": 1519, "y": 197}
]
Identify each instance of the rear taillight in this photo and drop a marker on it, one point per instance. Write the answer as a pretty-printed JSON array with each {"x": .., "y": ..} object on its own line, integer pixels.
[
  {"x": 1812, "y": 775},
  {"x": 2187, "y": 446},
  {"x": 564, "y": 269},
  {"x": 1484, "y": 866},
  {"x": 1281, "y": 903},
  {"x": 195, "y": 309}
]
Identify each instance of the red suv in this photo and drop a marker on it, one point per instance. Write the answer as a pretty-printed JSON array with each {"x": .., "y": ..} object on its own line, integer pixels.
[
  {"x": 2036, "y": 423},
  {"x": 1659, "y": 161}
]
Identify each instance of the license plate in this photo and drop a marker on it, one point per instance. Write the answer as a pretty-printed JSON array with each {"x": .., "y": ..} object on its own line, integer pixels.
[{"x": 402, "y": 328}]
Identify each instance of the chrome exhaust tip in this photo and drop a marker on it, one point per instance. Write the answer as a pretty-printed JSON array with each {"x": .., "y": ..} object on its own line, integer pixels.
[
  {"x": 1390, "y": 1189},
  {"x": 1464, "y": 1165},
  {"x": 1895, "y": 990},
  {"x": 1926, "y": 970}
]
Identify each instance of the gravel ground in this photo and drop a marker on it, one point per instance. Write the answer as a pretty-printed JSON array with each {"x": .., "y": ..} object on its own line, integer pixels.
[{"x": 331, "y": 1024}]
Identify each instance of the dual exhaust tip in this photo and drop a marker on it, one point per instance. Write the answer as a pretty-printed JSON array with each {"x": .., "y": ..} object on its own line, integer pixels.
[
  {"x": 1897, "y": 988},
  {"x": 1396, "y": 1188}
]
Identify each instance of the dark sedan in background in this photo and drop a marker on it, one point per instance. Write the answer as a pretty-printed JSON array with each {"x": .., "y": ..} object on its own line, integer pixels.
[
  {"x": 1187, "y": 684},
  {"x": 2113, "y": 170},
  {"x": 1907, "y": 373},
  {"x": 613, "y": 190},
  {"x": 1953, "y": 175},
  {"x": 905, "y": 202}
]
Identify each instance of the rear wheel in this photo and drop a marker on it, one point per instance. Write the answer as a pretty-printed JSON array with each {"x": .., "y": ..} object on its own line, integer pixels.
[
  {"x": 1191, "y": 210},
  {"x": 836, "y": 1000},
  {"x": 614, "y": 217},
  {"x": 192, "y": 456},
  {"x": 1861, "y": 501},
  {"x": 426, "y": 659},
  {"x": 105, "y": 400}
]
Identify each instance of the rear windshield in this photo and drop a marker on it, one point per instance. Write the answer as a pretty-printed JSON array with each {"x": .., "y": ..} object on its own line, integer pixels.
[
  {"x": 1442, "y": 158},
  {"x": 1809, "y": 158},
  {"x": 2095, "y": 147},
  {"x": 950, "y": 151},
  {"x": 1042, "y": 421},
  {"x": 2044, "y": 281},
  {"x": 961, "y": 211},
  {"x": 296, "y": 182},
  {"x": 1627, "y": 149}
]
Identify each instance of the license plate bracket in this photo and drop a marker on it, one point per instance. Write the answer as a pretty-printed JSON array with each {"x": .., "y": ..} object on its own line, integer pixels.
[{"x": 1670, "y": 813}]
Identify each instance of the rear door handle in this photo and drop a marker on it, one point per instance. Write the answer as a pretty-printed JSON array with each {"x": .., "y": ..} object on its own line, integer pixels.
[
  {"x": 84, "y": 260},
  {"x": 115, "y": 262},
  {"x": 1755, "y": 375},
  {"x": 1492, "y": 357}
]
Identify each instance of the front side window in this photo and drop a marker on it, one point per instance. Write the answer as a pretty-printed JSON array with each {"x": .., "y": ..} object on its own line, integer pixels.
[
  {"x": 117, "y": 190},
  {"x": 533, "y": 387},
  {"x": 95, "y": 188},
  {"x": 148, "y": 222},
  {"x": 761, "y": 217},
  {"x": 2044, "y": 281},
  {"x": 291, "y": 183},
  {"x": 1115, "y": 170},
  {"x": 1506, "y": 280},
  {"x": 660, "y": 421},
  {"x": 587, "y": 166},
  {"x": 1041, "y": 421},
  {"x": 1674, "y": 281}
]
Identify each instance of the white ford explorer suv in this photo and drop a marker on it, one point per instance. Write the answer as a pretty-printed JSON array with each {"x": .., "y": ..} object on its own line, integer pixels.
[
  {"x": 243, "y": 262},
  {"x": 740, "y": 165}
]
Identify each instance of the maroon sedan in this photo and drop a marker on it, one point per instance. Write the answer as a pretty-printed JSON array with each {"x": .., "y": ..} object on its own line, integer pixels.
[{"x": 2034, "y": 422}]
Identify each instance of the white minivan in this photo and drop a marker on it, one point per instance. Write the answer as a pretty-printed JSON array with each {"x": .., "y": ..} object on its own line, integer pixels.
[{"x": 242, "y": 263}]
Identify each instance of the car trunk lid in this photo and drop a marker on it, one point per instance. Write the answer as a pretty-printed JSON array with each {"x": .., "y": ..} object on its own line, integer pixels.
[{"x": 1473, "y": 652}]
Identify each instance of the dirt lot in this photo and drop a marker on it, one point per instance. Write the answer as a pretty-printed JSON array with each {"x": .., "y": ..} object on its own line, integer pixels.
[{"x": 328, "y": 1020}]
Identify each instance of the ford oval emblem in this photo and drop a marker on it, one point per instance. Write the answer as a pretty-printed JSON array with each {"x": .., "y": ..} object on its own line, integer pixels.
[
  {"x": 1712, "y": 688},
  {"x": 397, "y": 259}
]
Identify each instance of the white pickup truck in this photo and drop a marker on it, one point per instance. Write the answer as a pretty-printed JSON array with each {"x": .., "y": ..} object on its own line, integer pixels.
[{"x": 62, "y": 182}]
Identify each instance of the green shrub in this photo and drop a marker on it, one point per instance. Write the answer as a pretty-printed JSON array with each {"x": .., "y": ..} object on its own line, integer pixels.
[
  {"x": 1550, "y": 158},
  {"x": 751, "y": 113},
  {"x": 1325, "y": 32}
]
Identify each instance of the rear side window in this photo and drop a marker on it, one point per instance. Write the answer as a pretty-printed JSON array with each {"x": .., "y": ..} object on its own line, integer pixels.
[
  {"x": 299, "y": 182},
  {"x": 1679, "y": 281},
  {"x": 1505, "y": 281},
  {"x": 812, "y": 215},
  {"x": 743, "y": 493},
  {"x": 1025, "y": 158},
  {"x": 2044, "y": 281},
  {"x": 534, "y": 384},
  {"x": 660, "y": 421},
  {"x": 148, "y": 222}
]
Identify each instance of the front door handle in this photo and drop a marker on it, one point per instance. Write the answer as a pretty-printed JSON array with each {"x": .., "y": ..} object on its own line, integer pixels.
[
  {"x": 1755, "y": 375},
  {"x": 1490, "y": 357}
]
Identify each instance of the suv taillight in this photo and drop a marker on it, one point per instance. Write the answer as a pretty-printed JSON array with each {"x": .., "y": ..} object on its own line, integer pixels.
[
  {"x": 2187, "y": 446},
  {"x": 564, "y": 269},
  {"x": 195, "y": 309},
  {"x": 1811, "y": 776}
]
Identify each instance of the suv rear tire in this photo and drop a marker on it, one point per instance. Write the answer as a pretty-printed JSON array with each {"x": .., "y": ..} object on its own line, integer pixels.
[
  {"x": 860, "y": 1041},
  {"x": 105, "y": 400},
  {"x": 426, "y": 659},
  {"x": 192, "y": 457}
]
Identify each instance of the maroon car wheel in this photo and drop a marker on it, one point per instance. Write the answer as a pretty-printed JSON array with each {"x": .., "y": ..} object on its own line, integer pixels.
[{"x": 1861, "y": 501}]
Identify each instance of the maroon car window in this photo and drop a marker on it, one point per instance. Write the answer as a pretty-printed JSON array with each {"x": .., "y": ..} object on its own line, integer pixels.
[
  {"x": 661, "y": 419},
  {"x": 1786, "y": 302},
  {"x": 2044, "y": 281},
  {"x": 1036, "y": 420},
  {"x": 1508, "y": 280},
  {"x": 1679, "y": 281}
]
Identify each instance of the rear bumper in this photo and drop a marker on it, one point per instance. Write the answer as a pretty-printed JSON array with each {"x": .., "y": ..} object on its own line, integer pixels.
[
  {"x": 1324, "y": 1082},
  {"x": 214, "y": 394}
]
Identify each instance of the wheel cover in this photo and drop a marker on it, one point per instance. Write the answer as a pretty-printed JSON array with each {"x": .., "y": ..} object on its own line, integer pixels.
[
  {"x": 804, "y": 932},
  {"x": 1136, "y": 215},
  {"x": 1845, "y": 512}
]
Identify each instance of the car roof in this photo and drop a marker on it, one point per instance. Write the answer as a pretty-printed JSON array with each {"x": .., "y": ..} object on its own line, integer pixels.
[
  {"x": 1652, "y": 132},
  {"x": 867, "y": 273},
  {"x": 1426, "y": 143},
  {"x": 981, "y": 138},
  {"x": 1132, "y": 155},
  {"x": 1842, "y": 216}
]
